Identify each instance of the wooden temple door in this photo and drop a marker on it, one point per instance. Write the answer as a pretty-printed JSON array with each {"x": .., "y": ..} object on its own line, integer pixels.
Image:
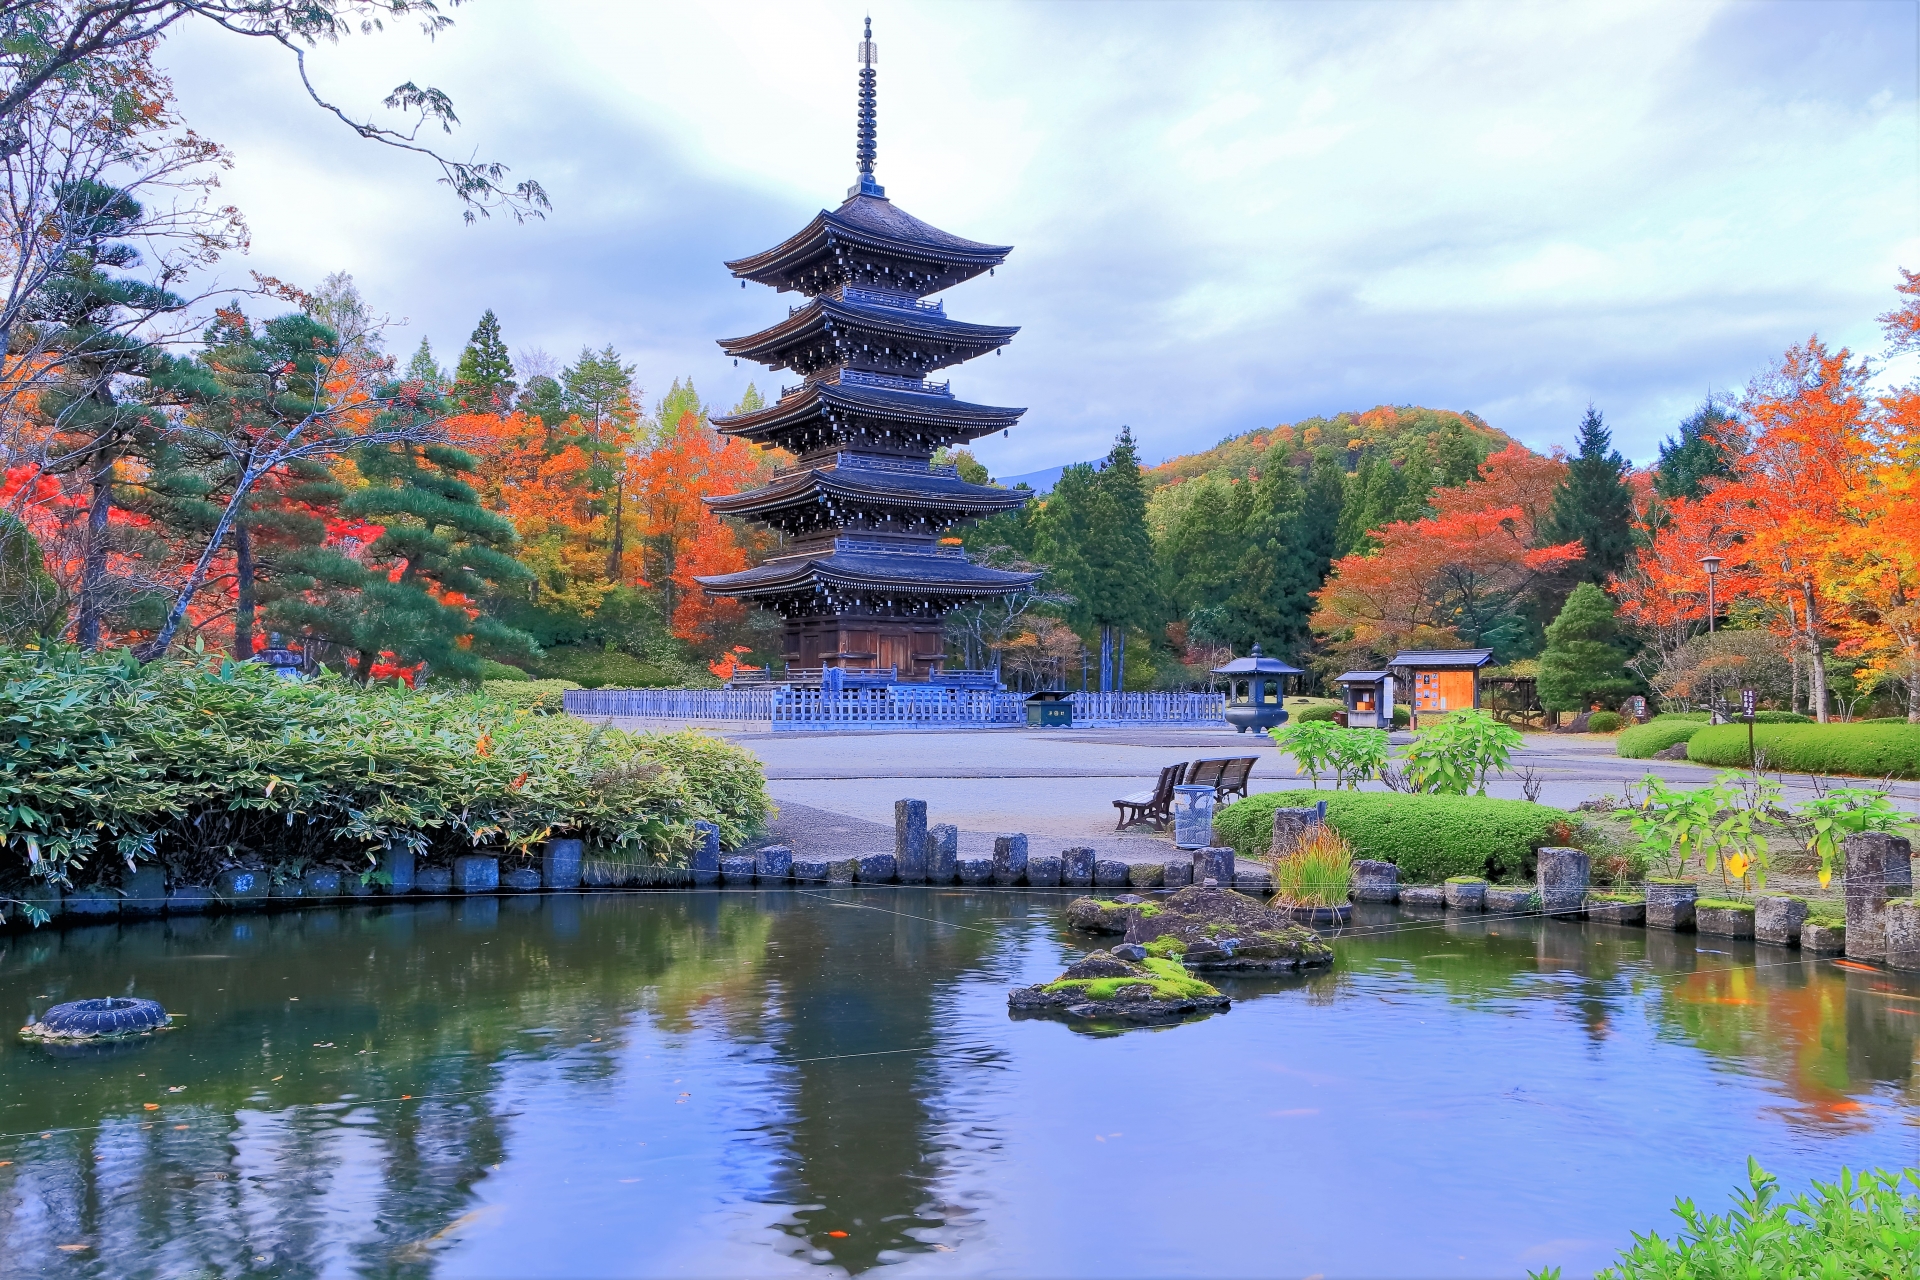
[{"x": 894, "y": 651}]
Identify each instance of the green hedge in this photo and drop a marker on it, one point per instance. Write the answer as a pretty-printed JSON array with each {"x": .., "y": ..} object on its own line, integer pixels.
[
  {"x": 1320, "y": 711},
  {"x": 1863, "y": 750},
  {"x": 1781, "y": 717},
  {"x": 591, "y": 667},
  {"x": 201, "y": 763},
  {"x": 1644, "y": 740},
  {"x": 1428, "y": 837},
  {"x": 1604, "y": 722},
  {"x": 1697, "y": 717}
]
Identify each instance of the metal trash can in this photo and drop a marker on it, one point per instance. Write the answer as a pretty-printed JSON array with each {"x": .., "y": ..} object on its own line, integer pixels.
[{"x": 1050, "y": 710}]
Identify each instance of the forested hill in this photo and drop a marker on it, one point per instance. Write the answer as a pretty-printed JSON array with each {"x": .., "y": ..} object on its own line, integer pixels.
[{"x": 1388, "y": 431}]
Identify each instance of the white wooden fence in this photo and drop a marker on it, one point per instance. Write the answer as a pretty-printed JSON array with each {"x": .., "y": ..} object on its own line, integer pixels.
[
  {"x": 673, "y": 704},
  {"x": 901, "y": 706},
  {"x": 1149, "y": 708}
]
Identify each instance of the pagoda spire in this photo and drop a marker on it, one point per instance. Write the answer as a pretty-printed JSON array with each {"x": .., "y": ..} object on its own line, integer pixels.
[{"x": 868, "y": 53}]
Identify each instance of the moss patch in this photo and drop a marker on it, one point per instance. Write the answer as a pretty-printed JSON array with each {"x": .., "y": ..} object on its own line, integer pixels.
[
  {"x": 1165, "y": 978},
  {"x": 1466, "y": 880},
  {"x": 1731, "y": 904},
  {"x": 1616, "y": 897},
  {"x": 1166, "y": 947}
]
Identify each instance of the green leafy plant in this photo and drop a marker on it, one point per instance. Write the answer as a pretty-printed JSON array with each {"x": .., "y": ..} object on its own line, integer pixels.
[
  {"x": 1834, "y": 815},
  {"x": 1864, "y": 1225},
  {"x": 1604, "y": 722},
  {"x": 1311, "y": 743},
  {"x": 1457, "y": 755},
  {"x": 1316, "y": 872},
  {"x": 1672, "y": 823}
]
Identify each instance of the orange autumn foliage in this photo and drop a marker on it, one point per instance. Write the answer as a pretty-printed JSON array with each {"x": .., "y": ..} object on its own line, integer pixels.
[
  {"x": 1456, "y": 570},
  {"x": 1819, "y": 524}
]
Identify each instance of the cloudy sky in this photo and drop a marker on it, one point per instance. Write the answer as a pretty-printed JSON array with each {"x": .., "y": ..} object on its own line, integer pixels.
[{"x": 1225, "y": 215}]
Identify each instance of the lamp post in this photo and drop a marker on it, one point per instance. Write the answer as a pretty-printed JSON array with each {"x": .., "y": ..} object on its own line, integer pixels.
[{"x": 1712, "y": 565}]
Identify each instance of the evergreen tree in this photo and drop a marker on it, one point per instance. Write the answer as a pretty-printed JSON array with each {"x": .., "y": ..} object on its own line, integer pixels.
[
  {"x": 484, "y": 379},
  {"x": 1584, "y": 661},
  {"x": 1092, "y": 534},
  {"x": 31, "y": 609},
  {"x": 1378, "y": 496},
  {"x": 1266, "y": 605},
  {"x": 1323, "y": 506},
  {"x": 424, "y": 369},
  {"x": 1459, "y": 455},
  {"x": 1417, "y": 482},
  {"x": 247, "y": 385},
  {"x": 546, "y": 400},
  {"x": 1594, "y": 504},
  {"x": 96, "y": 408},
  {"x": 1699, "y": 455},
  {"x": 416, "y": 591}
]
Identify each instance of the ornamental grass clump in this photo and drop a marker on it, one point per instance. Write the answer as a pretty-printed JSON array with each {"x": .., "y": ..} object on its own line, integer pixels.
[
  {"x": 200, "y": 763},
  {"x": 1317, "y": 871}
]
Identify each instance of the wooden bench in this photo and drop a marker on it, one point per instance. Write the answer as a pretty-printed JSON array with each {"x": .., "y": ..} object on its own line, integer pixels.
[
  {"x": 1155, "y": 806},
  {"x": 1226, "y": 777}
]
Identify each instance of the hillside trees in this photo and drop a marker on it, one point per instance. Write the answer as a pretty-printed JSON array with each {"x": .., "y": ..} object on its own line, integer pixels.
[{"x": 1092, "y": 531}]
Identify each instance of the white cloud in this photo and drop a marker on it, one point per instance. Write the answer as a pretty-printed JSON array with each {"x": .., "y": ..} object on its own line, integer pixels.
[{"x": 1225, "y": 215}]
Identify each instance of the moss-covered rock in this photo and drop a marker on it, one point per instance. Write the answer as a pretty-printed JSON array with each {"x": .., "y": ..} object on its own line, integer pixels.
[
  {"x": 1103, "y": 987},
  {"x": 1107, "y": 915},
  {"x": 1218, "y": 929}
]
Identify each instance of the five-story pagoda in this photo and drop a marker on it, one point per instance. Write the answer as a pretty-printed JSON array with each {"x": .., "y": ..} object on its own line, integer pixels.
[{"x": 863, "y": 580}]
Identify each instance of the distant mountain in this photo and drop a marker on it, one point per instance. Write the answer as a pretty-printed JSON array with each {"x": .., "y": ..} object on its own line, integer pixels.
[
  {"x": 1388, "y": 431},
  {"x": 1039, "y": 481}
]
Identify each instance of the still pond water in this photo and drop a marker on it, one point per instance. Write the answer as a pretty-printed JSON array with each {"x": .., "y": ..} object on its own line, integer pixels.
[{"x": 763, "y": 1083}]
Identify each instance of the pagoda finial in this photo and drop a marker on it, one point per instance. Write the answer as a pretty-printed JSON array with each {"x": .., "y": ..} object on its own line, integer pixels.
[{"x": 868, "y": 53}]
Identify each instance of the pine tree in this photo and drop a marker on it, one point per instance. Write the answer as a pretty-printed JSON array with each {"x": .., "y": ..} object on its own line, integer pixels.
[
  {"x": 1092, "y": 534},
  {"x": 249, "y": 383},
  {"x": 95, "y": 407},
  {"x": 1584, "y": 661},
  {"x": 416, "y": 592},
  {"x": 1459, "y": 455},
  {"x": 484, "y": 379},
  {"x": 1699, "y": 455},
  {"x": 1594, "y": 504},
  {"x": 1265, "y": 607}
]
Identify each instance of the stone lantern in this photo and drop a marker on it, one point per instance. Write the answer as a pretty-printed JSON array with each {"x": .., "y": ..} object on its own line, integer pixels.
[{"x": 1256, "y": 691}]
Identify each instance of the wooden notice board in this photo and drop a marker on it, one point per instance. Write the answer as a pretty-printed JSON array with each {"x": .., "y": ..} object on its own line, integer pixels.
[{"x": 1442, "y": 690}]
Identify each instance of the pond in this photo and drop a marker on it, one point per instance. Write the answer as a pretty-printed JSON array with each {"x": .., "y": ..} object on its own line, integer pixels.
[{"x": 754, "y": 1083}]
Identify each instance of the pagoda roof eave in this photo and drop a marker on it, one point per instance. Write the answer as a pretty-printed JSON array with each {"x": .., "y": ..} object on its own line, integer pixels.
[
  {"x": 906, "y": 573},
  {"x": 925, "y": 407},
  {"x": 921, "y": 490},
  {"x": 875, "y": 224},
  {"x": 897, "y": 323}
]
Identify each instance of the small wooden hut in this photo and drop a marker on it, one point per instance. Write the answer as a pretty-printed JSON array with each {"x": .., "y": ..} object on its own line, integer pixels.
[{"x": 1441, "y": 680}]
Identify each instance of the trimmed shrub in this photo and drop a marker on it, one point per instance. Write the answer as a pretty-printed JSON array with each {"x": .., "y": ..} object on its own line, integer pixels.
[
  {"x": 1697, "y": 717},
  {"x": 1644, "y": 740},
  {"x": 492, "y": 672},
  {"x": 204, "y": 763},
  {"x": 1781, "y": 717},
  {"x": 1402, "y": 715},
  {"x": 1866, "y": 751},
  {"x": 591, "y": 667},
  {"x": 1887, "y": 720},
  {"x": 1604, "y": 722},
  {"x": 542, "y": 697},
  {"x": 1428, "y": 837},
  {"x": 1319, "y": 711}
]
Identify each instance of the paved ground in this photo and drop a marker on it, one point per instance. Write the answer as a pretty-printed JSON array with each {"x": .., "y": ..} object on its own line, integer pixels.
[{"x": 1057, "y": 786}]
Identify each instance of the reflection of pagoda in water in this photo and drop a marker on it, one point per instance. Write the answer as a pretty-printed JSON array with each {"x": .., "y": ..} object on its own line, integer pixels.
[{"x": 863, "y": 580}]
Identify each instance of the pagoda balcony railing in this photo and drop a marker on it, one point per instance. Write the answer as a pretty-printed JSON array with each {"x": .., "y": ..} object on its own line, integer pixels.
[
  {"x": 872, "y": 462},
  {"x": 910, "y": 466},
  {"x": 899, "y": 548},
  {"x": 861, "y": 378},
  {"x": 880, "y": 298}
]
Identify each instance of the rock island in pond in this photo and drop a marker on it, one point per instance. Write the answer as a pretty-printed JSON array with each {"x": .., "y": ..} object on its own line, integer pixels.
[
  {"x": 1218, "y": 929},
  {"x": 1103, "y": 987}
]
